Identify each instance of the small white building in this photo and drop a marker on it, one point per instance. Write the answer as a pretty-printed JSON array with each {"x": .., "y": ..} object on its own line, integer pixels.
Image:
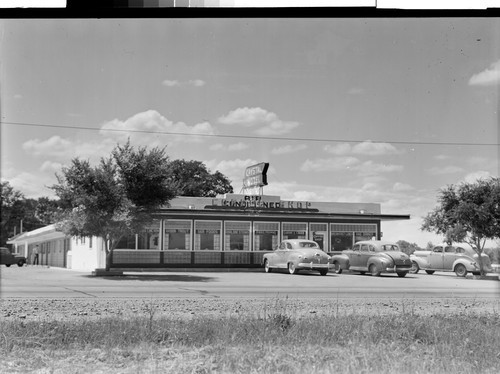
[{"x": 58, "y": 250}]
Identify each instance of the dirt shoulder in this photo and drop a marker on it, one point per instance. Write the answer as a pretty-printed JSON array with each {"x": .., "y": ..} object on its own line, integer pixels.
[{"x": 85, "y": 308}]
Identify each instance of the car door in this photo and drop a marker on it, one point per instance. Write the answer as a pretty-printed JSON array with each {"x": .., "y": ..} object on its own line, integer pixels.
[
  {"x": 281, "y": 254},
  {"x": 354, "y": 256},
  {"x": 436, "y": 258},
  {"x": 366, "y": 251},
  {"x": 449, "y": 257}
]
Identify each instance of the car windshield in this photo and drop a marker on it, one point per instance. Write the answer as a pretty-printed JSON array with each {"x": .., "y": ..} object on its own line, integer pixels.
[
  {"x": 308, "y": 245},
  {"x": 390, "y": 247}
]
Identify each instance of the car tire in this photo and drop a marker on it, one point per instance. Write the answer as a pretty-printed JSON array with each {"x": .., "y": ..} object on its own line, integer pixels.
[
  {"x": 337, "y": 267},
  {"x": 267, "y": 269},
  {"x": 430, "y": 272},
  {"x": 291, "y": 268},
  {"x": 374, "y": 270},
  {"x": 323, "y": 272},
  {"x": 20, "y": 263},
  {"x": 414, "y": 268},
  {"x": 402, "y": 274},
  {"x": 460, "y": 270}
]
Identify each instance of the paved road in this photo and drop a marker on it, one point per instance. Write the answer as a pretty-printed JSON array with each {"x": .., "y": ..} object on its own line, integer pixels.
[{"x": 43, "y": 282}]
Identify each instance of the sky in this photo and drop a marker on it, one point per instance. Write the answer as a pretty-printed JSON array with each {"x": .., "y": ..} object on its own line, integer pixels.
[{"x": 376, "y": 110}]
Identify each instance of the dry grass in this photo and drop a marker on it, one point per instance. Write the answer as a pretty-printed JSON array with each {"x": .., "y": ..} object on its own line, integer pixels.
[{"x": 271, "y": 340}]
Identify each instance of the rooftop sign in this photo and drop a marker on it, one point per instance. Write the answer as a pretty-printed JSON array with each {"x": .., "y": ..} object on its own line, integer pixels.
[{"x": 255, "y": 175}]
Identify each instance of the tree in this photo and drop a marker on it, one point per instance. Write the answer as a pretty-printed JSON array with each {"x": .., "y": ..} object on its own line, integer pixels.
[
  {"x": 407, "y": 247},
  {"x": 12, "y": 211},
  {"x": 115, "y": 198},
  {"x": 193, "y": 179},
  {"x": 22, "y": 214},
  {"x": 469, "y": 212}
]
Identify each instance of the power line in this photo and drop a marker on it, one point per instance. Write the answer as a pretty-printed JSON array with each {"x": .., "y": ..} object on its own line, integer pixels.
[{"x": 250, "y": 136}]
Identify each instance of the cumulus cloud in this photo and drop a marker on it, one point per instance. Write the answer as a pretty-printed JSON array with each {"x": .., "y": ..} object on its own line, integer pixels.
[
  {"x": 66, "y": 149},
  {"x": 49, "y": 166},
  {"x": 233, "y": 169},
  {"x": 288, "y": 149},
  {"x": 356, "y": 91},
  {"x": 487, "y": 77},
  {"x": 153, "y": 123},
  {"x": 437, "y": 170},
  {"x": 329, "y": 164},
  {"x": 372, "y": 168},
  {"x": 240, "y": 146},
  {"x": 367, "y": 148},
  {"x": 401, "y": 187},
  {"x": 177, "y": 83},
  {"x": 477, "y": 175},
  {"x": 265, "y": 123}
]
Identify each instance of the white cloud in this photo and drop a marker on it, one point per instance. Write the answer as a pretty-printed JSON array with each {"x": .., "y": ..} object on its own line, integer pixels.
[
  {"x": 475, "y": 176},
  {"x": 329, "y": 164},
  {"x": 367, "y": 148},
  {"x": 236, "y": 147},
  {"x": 233, "y": 169},
  {"x": 265, "y": 123},
  {"x": 33, "y": 185},
  {"x": 177, "y": 83},
  {"x": 442, "y": 157},
  {"x": 66, "y": 149},
  {"x": 372, "y": 168},
  {"x": 147, "y": 128},
  {"x": 437, "y": 170},
  {"x": 488, "y": 77},
  {"x": 49, "y": 166},
  {"x": 288, "y": 149},
  {"x": 356, "y": 91},
  {"x": 402, "y": 187}
]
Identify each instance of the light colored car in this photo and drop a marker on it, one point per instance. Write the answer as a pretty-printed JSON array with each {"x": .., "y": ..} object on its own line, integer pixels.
[
  {"x": 460, "y": 258},
  {"x": 374, "y": 257},
  {"x": 297, "y": 254},
  {"x": 7, "y": 258}
]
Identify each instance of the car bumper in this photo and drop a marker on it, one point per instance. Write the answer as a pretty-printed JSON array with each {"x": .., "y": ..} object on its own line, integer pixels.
[
  {"x": 398, "y": 269},
  {"x": 312, "y": 265}
]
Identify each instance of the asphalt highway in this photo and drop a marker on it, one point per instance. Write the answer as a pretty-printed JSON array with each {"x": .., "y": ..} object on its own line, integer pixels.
[{"x": 44, "y": 282}]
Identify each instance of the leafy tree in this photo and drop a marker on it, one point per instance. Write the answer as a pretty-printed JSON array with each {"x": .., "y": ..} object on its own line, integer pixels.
[
  {"x": 469, "y": 212},
  {"x": 407, "y": 247},
  {"x": 12, "y": 211},
  {"x": 193, "y": 179},
  {"x": 116, "y": 197},
  {"x": 20, "y": 213}
]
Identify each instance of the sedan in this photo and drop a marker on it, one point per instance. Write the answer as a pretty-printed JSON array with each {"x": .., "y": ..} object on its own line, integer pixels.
[
  {"x": 7, "y": 258},
  {"x": 374, "y": 257},
  {"x": 297, "y": 254}
]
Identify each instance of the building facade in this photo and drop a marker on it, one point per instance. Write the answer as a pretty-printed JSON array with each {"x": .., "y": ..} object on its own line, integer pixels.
[{"x": 234, "y": 230}]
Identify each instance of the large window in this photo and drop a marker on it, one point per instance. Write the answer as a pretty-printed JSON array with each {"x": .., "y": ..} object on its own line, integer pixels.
[
  {"x": 237, "y": 236},
  {"x": 292, "y": 230},
  {"x": 177, "y": 235},
  {"x": 207, "y": 235},
  {"x": 319, "y": 233},
  {"x": 266, "y": 235},
  {"x": 344, "y": 235}
]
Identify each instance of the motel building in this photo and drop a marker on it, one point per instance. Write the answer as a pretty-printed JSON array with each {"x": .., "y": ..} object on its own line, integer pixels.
[{"x": 229, "y": 231}]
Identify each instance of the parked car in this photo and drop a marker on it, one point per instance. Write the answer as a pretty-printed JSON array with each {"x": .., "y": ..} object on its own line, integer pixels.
[
  {"x": 7, "y": 258},
  {"x": 374, "y": 257},
  {"x": 460, "y": 258},
  {"x": 297, "y": 254}
]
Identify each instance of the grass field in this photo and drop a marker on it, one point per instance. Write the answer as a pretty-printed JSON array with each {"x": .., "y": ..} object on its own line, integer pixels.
[{"x": 270, "y": 340}]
